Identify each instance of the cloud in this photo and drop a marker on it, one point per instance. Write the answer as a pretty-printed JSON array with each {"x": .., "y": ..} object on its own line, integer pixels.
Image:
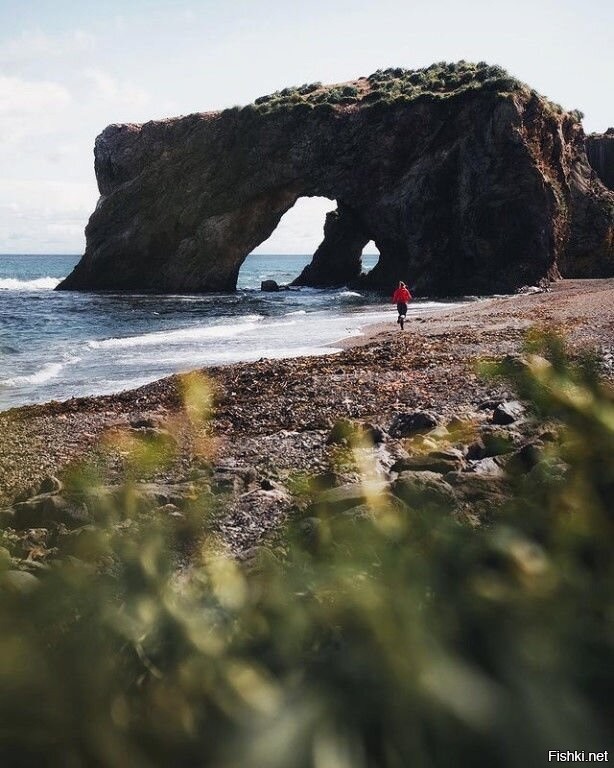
[
  {"x": 34, "y": 46},
  {"x": 28, "y": 106},
  {"x": 44, "y": 215},
  {"x": 105, "y": 86},
  {"x": 20, "y": 97}
]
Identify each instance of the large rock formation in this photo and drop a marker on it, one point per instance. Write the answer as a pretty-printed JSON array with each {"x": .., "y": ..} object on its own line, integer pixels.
[
  {"x": 600, "y": 151},
  {"x": 467, "y": 181}
]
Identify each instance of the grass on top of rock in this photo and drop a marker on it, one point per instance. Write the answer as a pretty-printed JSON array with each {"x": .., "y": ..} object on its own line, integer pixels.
[
  {"x": 394, "y": 86},
  {"x": 388, "y": 638}
]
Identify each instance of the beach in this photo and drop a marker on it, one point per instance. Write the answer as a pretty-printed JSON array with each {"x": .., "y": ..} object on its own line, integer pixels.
[{"x": 272, "y": 419}]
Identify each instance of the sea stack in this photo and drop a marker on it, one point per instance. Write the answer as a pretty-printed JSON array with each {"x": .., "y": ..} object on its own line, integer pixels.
[{"x": 467, "y": 180}]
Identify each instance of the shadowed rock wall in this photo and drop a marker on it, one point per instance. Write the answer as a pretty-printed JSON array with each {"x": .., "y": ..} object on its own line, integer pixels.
[
  {"x": 474, "y": 191},
  {"x": 600, "y": 151}
]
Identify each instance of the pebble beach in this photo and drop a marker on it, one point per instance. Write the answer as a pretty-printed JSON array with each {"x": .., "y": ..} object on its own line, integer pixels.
[{"x": 271, "y": 419}]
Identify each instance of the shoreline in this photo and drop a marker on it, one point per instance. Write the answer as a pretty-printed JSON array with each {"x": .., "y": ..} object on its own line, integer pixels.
[{"x": 277, "y": 413}]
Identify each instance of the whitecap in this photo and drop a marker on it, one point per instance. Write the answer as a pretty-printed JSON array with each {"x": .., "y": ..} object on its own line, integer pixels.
[
  {"x": 38, "y": 284},
  {"x": 180, "y": 335},
  {"x": 48, "y": 371}
]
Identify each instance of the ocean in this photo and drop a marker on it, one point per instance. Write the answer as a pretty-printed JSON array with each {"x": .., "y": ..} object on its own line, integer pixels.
[{"x": 58, "y": 345}]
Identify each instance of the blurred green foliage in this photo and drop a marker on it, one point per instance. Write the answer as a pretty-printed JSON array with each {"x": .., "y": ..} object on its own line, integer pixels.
[{"x": 400, "y": 638}]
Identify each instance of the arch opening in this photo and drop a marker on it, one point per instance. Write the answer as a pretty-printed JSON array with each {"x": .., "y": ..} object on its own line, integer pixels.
[
  {"x": 290, "y": 247},
  {"x": 370, "y": 258}
]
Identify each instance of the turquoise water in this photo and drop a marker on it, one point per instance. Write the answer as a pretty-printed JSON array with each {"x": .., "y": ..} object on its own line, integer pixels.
[{"x": 57, "y": 345}]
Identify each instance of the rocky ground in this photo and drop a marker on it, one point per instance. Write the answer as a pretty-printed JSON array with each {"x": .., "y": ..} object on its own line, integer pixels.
[{"x": 246, "y": 446}]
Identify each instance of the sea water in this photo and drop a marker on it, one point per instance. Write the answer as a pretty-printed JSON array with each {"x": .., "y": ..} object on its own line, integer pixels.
[{"x": 57, "y": 344}]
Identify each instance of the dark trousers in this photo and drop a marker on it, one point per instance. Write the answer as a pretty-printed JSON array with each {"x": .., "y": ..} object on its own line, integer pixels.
[{"x": 401, "y": 308}]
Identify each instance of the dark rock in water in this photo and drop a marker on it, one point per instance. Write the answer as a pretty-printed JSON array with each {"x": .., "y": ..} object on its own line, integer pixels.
[
  {"x": 508, "y": 413},
  {"x": 478, "y": 185},
  {"x": 405, "y": 424},
  {"x": 269, "y": 285},
  {"x": 600, "y": 152}
]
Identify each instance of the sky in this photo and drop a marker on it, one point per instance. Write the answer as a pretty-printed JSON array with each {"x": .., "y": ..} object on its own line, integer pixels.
[{"x": 68, "y": 69}]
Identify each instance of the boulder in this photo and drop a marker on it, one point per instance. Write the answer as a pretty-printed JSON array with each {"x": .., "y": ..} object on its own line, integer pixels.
[
  {"x": 347, "y": 496},
  {"x": 420, "y": 488},
  {"x": 431, "y": 462},
  {"x": 508, "y": 412},
  {"x": 269, "y": 286},
  {"x": 48, "y": 509},
  {"x": 18, "y": 582},
  {"x": 406, "y": 424},
  {"x": 50, "y": 484}
]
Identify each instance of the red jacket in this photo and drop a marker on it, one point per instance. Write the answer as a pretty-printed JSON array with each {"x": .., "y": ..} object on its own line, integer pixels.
[{"x": 401, "y": 295}]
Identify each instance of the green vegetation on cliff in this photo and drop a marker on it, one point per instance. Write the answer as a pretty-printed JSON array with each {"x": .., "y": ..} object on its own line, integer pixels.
[{"x": 439, "y": 80}]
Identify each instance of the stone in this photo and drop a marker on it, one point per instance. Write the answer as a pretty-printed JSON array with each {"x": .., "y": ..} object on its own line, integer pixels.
[
  {"x": 525, "y": 459},
  {"x": 508, "y": 412},
  {"x": 406, "y": 424},
  {"x": 233, "y": 479},
  {"x": 342, "y": 432},
  {"x": 48, "y": 509},
  {"x": 145, "y": 422},
  {"x": 323, "y": 481},
  {"x": 497, "y": 441},
  {"x": 86, "y": 542},
  {"x": 18, "y": 582},
  {"x": 480, "y": 188},
  {"x": 418, "y": 488},
  {"x": 486, "y": 466},
  {"x": 348, "y": 496},
  {"x": 431, "y": 462},
  {"x": 474, "y": 486},
  {"x": 269, "y": 286},
  {"x": 375, "y": 433},
  {"x": 26, "y": 494},
  {"x": 5, "y": 558},
  {"x": 50, "y": 484}
]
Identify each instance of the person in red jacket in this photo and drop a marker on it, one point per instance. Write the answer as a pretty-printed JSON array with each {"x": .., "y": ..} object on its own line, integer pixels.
[{"x": 401, "y": 297}]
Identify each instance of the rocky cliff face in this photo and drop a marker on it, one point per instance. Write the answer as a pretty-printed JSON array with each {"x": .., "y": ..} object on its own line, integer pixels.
[
  {"x": 466, "y": 180},
  {"x": 600, "y": 151}
]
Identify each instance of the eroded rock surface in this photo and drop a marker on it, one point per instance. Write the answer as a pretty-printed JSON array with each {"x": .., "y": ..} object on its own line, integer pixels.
[
  {"x": 600, "y": 151},
  {"x": 467, "y": 180}
]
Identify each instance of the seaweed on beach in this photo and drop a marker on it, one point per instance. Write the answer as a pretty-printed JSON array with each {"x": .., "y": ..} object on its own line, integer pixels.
[{"x": 392, "y": 638}]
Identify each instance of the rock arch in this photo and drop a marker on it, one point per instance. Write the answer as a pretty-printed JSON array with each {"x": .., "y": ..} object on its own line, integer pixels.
[{"x": 473, "y": 190}]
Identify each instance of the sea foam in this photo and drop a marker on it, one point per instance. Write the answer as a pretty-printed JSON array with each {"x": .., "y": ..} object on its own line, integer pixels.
[
  {"x": 180, "y": 335},
  {"x": 38, "y": 284},
  {"x": 47, "y": 372}
]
